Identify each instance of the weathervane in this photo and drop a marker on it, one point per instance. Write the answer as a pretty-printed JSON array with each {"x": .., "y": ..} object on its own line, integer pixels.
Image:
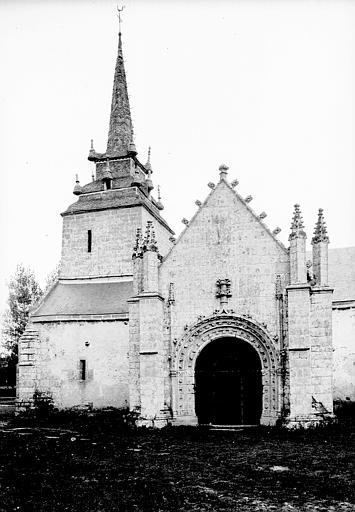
[{"x": 119, "y": 16}]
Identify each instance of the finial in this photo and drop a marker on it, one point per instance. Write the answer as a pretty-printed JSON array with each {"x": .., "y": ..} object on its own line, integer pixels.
[
  {"x": 320, "y": 230},
  {"x": 77, "y": 189},
  {"x": 148, "y": 164},
  {"x": 297, "y": 226},
  {"x": 92, "y": 145},
  {"x": 119, "y": 17},
  {"x": 223, "y": 171},
  {"x": 159, "y": 203}
]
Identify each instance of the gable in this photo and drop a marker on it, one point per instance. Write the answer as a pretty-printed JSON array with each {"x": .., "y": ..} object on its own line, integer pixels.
[
  {"x": 223, "y": 222},
  {"x": 225, "y": 240}
]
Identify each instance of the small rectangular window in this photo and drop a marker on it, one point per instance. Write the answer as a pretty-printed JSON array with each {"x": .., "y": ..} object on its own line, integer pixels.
[
  {"x": 82, "y": 369},
  {"x": 89, "y": 240}
]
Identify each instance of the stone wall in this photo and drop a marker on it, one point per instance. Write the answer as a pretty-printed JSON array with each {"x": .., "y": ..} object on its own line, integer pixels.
[
  {"x": 50, "y": 363},
  {"x": 224, "y": 240},
  {"x": 344, "y": 353},
  {"x": 113, "y": 235}
]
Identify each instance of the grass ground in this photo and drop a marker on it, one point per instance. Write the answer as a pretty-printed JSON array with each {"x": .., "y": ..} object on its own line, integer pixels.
[{"x": 95, "y": 464}]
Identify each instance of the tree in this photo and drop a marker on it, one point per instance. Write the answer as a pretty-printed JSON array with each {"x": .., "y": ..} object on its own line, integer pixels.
[
  {"x": 24, "y": 291},
  {"x": 52, "y": 278}
]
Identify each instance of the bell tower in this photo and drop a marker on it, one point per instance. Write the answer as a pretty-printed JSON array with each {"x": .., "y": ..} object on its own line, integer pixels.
[{"x": 99, "y": 228}]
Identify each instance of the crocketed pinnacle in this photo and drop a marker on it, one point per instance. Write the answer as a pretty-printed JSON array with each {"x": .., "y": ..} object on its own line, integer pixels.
[
  {"x": 138, "y": 246},
  {"x": 120, "y": 135},
  {"x": 297, "y": 226},
  {"x": 320, "y": 231},
  {"x": 149, "y": 242},
  {"x": 146, "y": 243}
]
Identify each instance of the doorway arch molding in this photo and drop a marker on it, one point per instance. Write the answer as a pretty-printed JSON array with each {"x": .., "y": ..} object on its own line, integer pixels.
[{"x": 189, "y": 346}]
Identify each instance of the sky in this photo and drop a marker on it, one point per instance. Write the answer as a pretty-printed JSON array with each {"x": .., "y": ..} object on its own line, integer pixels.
[{"x": 265, "y": 87}]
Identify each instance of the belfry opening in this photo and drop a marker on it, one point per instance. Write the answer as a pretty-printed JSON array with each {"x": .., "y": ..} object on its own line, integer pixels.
[{"x": 228, "y": 383}]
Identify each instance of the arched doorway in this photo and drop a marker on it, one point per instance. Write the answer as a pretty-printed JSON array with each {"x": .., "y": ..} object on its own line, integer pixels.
[{"x": 228, "y": 383}]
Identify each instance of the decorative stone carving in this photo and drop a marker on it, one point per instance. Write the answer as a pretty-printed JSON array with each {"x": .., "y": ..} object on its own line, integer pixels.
[
  {"x": 218, "y": 326},
  {"x": 248, "y": 199},
  {"x": 198, "y": 203},
  {"x": 211, "y": 185},
  {"x": 234, "y": 183},
  {"x": 310, "y": 274},
  {"x": 223, "y": 292},
  {"x": 262, "y": 215},
  {"x": 185, "y": 221}
]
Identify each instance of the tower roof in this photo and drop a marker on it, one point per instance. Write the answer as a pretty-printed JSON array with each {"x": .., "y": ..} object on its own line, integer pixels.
[{"x": 120, "y": 135}]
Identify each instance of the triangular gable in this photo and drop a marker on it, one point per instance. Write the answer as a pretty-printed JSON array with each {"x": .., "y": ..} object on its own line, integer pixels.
[{"x": 221, "y": 183}]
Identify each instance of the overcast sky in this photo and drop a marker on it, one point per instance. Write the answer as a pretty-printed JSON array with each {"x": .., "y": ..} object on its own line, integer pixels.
[{"x": 265, "y": 87}]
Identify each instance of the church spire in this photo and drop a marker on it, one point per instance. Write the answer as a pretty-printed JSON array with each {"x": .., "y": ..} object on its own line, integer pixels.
[{"x": 120, "y": 135}]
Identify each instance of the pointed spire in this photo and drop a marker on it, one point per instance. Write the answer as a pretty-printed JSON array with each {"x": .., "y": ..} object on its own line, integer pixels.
[
  {"x": 120, "y": 136},
  {"x": 320, "y": 230},
  {"x": 297, "y": 226}
]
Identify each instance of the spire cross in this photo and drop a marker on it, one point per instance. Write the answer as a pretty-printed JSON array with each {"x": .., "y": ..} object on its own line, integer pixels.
[{"x": 119, "y": 17}]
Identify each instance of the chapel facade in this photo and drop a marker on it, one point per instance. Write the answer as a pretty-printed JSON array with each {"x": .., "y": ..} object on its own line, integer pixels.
[{"x": 224, "y": 325}]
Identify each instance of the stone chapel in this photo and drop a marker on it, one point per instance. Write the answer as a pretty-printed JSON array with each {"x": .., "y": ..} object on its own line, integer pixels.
[{"x": 224, "y": 325}]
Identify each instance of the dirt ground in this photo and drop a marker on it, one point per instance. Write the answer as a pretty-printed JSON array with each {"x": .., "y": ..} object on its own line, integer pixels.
[{"x": 96, "y": 465}]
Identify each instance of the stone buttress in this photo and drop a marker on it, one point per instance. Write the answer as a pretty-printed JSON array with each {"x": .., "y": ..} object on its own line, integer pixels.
[
  {"x": 309, "y": 328},
  {"x": 147, "y": 353}
]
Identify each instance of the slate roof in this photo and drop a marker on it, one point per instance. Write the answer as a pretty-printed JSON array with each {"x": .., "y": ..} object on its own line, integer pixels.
[
  {"x": 85, "y": 299},
  {"x": 115, "y": 198},
  {"x": 342, "y": 273}
]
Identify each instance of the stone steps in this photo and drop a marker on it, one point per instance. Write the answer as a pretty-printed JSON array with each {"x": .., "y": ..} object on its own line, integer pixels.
[{"x": 230, "y": 428}]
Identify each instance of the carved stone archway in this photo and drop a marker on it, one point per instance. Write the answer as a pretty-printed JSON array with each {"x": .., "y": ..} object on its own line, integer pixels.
[{"x": 197, "y": 337}]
